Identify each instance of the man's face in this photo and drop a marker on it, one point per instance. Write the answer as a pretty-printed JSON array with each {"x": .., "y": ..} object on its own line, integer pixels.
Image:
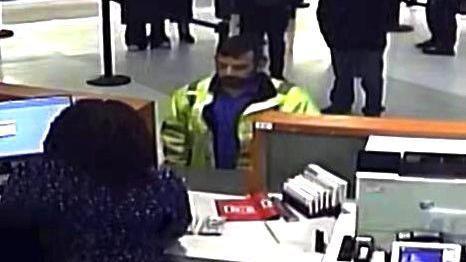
[{"x": 232, "y": 71}]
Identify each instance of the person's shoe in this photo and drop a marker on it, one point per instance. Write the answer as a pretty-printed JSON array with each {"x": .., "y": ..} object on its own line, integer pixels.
[
  {"x": 160, "y": 44},
  {"x": 136, "y": 48},
  {"x": 400, "y": 29},
  {"x": 373, "y": 112},
  {"x": 425, "y": 44},
  {"x": 189, "y": 39},
  {"x": 332, "y": 110},
  {"x": 434, "y": 50},
  {"x": 4, "y": 33}
]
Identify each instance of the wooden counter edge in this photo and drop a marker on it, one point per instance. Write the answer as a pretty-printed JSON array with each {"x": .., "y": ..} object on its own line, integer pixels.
[
  {"x": 12, "y": 91},
  {"x": 360, "y": 126}
]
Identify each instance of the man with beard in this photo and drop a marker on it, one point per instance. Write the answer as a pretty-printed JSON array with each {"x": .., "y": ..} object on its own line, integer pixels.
[{"x": 209, "y": 123}]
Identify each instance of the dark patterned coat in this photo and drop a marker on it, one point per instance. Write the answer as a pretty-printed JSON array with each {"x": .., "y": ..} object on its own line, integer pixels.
[{"x": 84, "y": 221}]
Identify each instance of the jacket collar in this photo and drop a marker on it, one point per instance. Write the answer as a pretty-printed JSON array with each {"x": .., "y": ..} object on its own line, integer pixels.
[
  {"x": 266, "y": 89},
  {"x": 266, "y": 98}
]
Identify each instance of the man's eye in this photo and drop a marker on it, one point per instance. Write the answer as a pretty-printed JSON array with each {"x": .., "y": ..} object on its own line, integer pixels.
[{"x": 222, "y": 66}]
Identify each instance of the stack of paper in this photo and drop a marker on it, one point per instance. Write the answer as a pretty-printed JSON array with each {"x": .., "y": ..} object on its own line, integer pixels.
[{"x": 315, "y": 192}]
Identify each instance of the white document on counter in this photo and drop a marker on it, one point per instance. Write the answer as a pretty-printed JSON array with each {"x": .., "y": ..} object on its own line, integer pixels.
[
  {"x": 413, "y": 144},
  {"x": 244, "y": 241},
  {"x": 218, "y": 249}
]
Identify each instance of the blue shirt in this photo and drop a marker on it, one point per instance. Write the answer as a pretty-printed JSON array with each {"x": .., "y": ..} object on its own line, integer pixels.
[{"x": 226, "y": 112}]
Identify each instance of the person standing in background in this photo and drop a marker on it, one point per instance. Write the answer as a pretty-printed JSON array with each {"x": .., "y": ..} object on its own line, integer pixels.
[
  {"x": 441, "y": 20},
  {"x": 356, "y": 33},
  {"x": 270, "y": 17},
  {"x": 291, "y": 29},
  {"x": 136, "y": 14},
  {"x": 181, "y": 11}
]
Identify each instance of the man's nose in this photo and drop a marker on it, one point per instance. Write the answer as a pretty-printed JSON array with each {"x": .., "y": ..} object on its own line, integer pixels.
[{"x": 229, "y": 70}]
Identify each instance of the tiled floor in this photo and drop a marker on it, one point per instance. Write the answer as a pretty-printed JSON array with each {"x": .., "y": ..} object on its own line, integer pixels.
[{"x": 65, "y": 53}]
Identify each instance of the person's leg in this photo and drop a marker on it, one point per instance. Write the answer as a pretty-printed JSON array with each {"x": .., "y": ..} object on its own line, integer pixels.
[
  {"x": 251, "y": 26},
  {"x": 275, "y": 28},
  {"x": 290, "y": 31},
  {"x": 185, "y": 33},
  {"x": 450, "y": 24},
  {"x": 371, "y": 70},
  {"x": 443, "y": 16},
  {"x": 135, "y": 35},
  {"x": 163, "y": 32},
  {"x": 183, "y": 24},
  {"x": 276, "y": 53},
  {"x": 342, "y": 93},
  {"x": 430, "y": 24},
  {"x": 429, "y": 18},
  {"x": 158, "y": 37}
]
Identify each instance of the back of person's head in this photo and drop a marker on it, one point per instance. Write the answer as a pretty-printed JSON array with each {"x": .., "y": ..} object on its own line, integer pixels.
[
  {"x": 106, "y": 139},
  {"x": 239, "y": 45}
]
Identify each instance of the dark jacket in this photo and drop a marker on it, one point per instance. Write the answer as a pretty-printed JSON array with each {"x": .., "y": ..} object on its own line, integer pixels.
[
  {"x": 152, "y": 10},
  {"x": 256, "y": 6},
  {"x": 80, "y": 220},
  {"x": 354, "y": 24},
  {"x": 179, "y": 9},
  {"x": 147, "y": 11}
]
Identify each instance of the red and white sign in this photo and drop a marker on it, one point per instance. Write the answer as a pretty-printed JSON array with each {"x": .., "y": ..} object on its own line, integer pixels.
[{"x": 254, "y": 207}]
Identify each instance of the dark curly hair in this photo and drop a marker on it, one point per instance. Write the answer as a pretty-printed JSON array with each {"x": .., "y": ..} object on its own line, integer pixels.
[
  {"x": 106, "y": 139},
  {"x": 239, "y": 45}
]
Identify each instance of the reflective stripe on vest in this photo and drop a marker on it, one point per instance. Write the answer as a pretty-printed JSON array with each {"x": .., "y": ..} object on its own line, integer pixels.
[{"x": 191, "y": 94}]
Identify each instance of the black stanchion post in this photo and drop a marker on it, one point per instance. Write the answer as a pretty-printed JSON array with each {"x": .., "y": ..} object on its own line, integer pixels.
[{"x": 108, "y": 78}]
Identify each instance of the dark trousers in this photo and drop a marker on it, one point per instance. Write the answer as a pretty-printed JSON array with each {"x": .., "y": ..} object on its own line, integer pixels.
[
  {"x": 273, "y": 23},
  {"x": 394, "y": 13},
  {"x": 136, "y": 34},
  {"x": 367, "y": 64},
  {"x": 441, "y": 19}
]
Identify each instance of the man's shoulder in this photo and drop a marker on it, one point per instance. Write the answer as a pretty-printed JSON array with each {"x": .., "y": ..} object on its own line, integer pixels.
[
  {"x": 284, "y": 86},
  {"x": 200, "y": 84}
]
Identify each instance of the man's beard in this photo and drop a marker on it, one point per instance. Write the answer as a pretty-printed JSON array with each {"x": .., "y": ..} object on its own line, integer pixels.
[{"x": 231, "y": 82}]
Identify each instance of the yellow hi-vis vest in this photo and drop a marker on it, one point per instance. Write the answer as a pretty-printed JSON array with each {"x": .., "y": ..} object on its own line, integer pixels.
[{"x": 187, "y": 139}]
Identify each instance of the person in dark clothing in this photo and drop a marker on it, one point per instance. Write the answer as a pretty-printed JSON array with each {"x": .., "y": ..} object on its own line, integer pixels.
[
  {"x": 269, "y": 17},
  {"x": 95, "y": 195},
  {"x": 181, "y": 11},
  {"x": 441, "y": 20},
  {"x": 136, "y": 14},
  {"x": 355, "y": 31}
]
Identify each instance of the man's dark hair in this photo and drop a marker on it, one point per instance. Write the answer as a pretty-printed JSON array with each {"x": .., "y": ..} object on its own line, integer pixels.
[
  {"x": 106, "y": 139},
  {"x": 237, "y": 46}
]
